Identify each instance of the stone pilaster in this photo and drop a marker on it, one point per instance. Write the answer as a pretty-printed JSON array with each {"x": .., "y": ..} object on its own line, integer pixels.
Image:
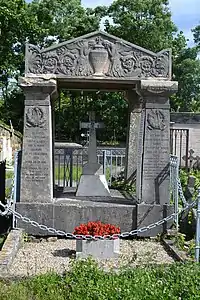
[
  {"x": 134, "y": 132},
  {"x": 37, "y": 153},
  {"x": 155, "y": 190}
]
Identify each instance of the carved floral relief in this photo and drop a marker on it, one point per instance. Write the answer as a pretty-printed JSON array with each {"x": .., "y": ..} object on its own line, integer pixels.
[
  {"x": 156, "y": 120},
  {"x": 35, "y": 117},
  {"x": 98, "y": 56}
]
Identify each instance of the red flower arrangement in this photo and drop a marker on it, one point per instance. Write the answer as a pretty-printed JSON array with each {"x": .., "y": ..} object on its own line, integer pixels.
[{"x": 96, "y": 228}]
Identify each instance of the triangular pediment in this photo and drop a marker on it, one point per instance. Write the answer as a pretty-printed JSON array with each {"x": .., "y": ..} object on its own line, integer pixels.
[{"x": 98, "y": 54}]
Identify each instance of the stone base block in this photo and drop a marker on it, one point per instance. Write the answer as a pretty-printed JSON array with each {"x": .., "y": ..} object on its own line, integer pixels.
[
  {"x": 149, "y": 214},
  {"x": 101, "y": 249},
  {"x": 93, "y": 185},
  {"x": 9, "y": 250},
  {"x": 69, "y": 214}
]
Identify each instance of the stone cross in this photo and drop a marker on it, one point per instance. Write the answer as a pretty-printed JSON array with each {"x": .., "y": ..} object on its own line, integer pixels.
[
  {"x": 92, "y": 182},
  {"x": 92, "y": 126},
  {"x": 190, "y": 157}
]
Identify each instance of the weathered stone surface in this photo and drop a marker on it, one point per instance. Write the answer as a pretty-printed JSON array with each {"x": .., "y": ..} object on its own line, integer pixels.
[
  {"x": 59, "y": 145},
  {"x": 140, "y": 151},
  {"x": 155, "y": 176},
  {"x": 98, "y": 54},
  {"x": 149, "y": 214},
  {"x": 98, "y": 249},
  {"x": 93, "y": 181},
  {"x": 42, "y": 213},
  {"x": 133, "y": 134},
  {"x": 156, "y": 142},
  {"x": 71, "y": 213},
  {"x": 9, "y": 250},
  {"x": 37, "y": 158},
  {"x": 185, "y": 117},
  {"x": 93, "y": 185}
]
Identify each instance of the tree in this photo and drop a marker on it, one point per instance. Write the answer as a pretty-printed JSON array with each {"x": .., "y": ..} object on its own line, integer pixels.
[
  {"x": 187, "y": 73},
  {"x": 13, "y": 21},
  {"x": 74, "y": 106},
  {"x": 196, "y": 33},
  {"x": 60, "y": 20},
  {"x": 42, "y": 23},
  {"x": 146, "y": 23}
]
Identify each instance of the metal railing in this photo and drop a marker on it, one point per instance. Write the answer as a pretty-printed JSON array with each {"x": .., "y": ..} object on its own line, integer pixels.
[
  {"x": 69, "y": 162},
  {"x": 177, "y": 192},
  {"x": 179, "y": 145}
]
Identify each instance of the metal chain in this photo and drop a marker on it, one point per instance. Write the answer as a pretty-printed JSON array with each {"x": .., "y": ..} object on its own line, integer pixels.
[
  {"x": 8, "y": 208},
  {"x": 180, "y": 190}
]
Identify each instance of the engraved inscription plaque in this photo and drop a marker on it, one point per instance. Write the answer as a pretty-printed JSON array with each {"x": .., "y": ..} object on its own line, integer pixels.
[
  {"x": 155, "y": 175},
  {"x": 37, "y": 156}
]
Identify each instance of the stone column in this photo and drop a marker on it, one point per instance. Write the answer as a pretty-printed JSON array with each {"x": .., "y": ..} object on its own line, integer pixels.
[
  {"x": 133, "y": 133},
  {"x": 37, "y": 158},
  {"x": 155, "y": 190}
]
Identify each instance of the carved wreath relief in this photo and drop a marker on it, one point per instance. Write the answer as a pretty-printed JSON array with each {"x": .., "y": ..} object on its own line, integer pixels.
[
  {"x": 97, "y": 56},
  {"x": 156, "y": 120},
  {"x": 35, "y": 117}
]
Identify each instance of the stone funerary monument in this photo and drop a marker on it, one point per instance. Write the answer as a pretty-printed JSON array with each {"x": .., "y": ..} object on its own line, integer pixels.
[{"x": 101, "y": 61}]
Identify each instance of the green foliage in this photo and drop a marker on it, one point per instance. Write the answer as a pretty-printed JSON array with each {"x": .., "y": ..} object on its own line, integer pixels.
[
  {"x": 187, "y": 73},
  {"x": 196, "y": 33},
  {"x": 123, "y": 185},
  {"x": 41, "y": 22},
  {"x": 180, "y": 240},
  {"x": 146, "y": 23},
  {"x": 184, "y": 178},
  {"x": 111, "y": 108},
  {"x": 76, "y": 173},
  {"x": 86, "y": 281},
  {"x": 61, "y": 20}
]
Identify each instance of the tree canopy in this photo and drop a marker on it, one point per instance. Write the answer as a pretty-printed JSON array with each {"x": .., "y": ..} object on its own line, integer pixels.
[{"x": 147, "y": 23}]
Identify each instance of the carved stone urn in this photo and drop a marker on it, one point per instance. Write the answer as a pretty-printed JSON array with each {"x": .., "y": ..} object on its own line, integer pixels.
[{"x": 98, "y": 58}]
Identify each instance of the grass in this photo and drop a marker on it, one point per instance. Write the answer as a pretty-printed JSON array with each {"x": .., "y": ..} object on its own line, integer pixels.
[
  {"x": 86, "y": 281},
  {"x": 76, "y": 173},
  {"x": 9, "y": 174}
]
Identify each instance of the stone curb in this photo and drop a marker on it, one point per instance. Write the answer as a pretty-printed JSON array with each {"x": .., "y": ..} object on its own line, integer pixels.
[
  {"x": 9, "y": 250},
  {"x": 177, "y": 254}
]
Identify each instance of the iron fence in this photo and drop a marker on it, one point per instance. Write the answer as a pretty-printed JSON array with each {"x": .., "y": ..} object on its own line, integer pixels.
[
  {"x": 69, "y": 162},
  {"x": 179, "y": 145}
]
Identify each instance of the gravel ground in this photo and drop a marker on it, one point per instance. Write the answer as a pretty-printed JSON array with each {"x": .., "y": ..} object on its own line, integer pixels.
[{"x": 36, "y": 258}]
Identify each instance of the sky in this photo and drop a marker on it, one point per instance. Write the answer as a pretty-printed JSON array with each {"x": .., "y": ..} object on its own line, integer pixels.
[{"x": 185, "y": 13}]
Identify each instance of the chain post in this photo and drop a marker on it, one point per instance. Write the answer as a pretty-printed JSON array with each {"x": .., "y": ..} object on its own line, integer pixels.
[
  {"x": 104, "y": 162},
  {"x": 176, "y": 193},
  {"x": 197, "y": 242}
]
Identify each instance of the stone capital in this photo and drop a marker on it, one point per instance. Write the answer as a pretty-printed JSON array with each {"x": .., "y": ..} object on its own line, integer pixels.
[
  {"x": 38, "y": 87},
  {"x": 156, "y": 88}
]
